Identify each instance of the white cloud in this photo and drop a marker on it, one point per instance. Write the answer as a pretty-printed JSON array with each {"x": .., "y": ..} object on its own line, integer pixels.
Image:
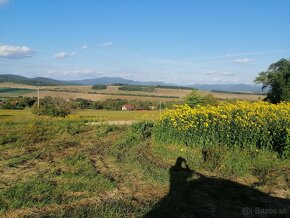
[
  {"x": 107, "y": 44},
  {"x": 3, "y": 2},
  {"x": 64, "y": 54},
  {"x": 9, "y": 51},
  {"x": 84, "y": 46},
  {"x": 243, "y": 60}
]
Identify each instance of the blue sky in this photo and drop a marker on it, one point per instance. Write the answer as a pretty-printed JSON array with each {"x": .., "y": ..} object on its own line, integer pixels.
[{"x": 176, "y": 41}]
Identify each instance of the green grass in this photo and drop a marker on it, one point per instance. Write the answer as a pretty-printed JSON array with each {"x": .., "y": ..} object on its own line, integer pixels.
[
  {"x": 10, "y": 92},
  {"x": 56, "y": 167}
]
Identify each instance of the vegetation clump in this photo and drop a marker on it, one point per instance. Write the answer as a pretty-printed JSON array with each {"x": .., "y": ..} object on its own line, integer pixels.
[
  {"x": 56, "y": 107},
  {"x": 14, "y": 103},
  {"x": 99, "y": 87},
  {"x": 195, "y": 99}
]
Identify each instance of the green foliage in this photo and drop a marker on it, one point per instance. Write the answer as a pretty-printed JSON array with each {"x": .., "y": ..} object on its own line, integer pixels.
[
  {"x": 12, "y": 103},
  {"x": 26, "y": 101},
  {"x": 76, "y": 127},
  {"x": 55, "y": 107},
  {"x": 194, "y": 99},
  {"x": 114, "y": 104},
  {"x": 277, "y": 78},
  {"x": 99, "y": 87},
  {"x": 141, "y": 130},
  {"x": 83, "y": 103}
]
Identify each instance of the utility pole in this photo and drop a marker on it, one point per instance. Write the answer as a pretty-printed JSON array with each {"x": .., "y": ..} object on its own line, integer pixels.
[{"x": 38, "y": 97}]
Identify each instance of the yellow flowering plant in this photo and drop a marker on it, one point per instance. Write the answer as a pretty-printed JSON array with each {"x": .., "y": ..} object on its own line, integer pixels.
[{"x": 242, "y": 123}]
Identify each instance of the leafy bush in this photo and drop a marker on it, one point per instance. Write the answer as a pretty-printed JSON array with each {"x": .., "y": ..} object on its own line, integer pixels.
[
  {"x": 195, "y": 99},
  {"x": 142, "y": 130},
  {"x": 114, "y": 104},
  {"x": 55, "y": 107}
]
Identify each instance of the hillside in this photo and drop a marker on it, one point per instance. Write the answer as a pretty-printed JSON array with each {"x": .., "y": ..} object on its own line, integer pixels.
[{"x": 38, "y": 81}]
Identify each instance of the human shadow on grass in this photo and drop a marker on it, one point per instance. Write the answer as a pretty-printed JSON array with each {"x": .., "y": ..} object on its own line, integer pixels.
[{"x": 204, "y": 196}]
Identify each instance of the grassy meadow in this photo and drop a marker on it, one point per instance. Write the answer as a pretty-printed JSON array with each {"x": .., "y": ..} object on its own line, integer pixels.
[
  {"x": 63, "y": 167},
  {"x": 10, "y": 92}
]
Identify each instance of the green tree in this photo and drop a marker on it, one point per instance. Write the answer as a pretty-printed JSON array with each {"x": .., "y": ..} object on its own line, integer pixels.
[
  {"x": 49, "y": 106},
  {"x": 194, "y": 99},
  {"x": 277, "y": 79}
]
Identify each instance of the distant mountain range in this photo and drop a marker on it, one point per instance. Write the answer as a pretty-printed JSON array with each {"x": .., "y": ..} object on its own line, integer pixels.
[
  {"x": 228, "y": 87},
  {"x": 43, "y": 81},
  {"x": 115, "y": 80}
]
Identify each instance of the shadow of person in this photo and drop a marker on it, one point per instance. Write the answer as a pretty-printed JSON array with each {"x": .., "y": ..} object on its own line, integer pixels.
[
  {"x": 192, "y": 194},
  {"x": 178, "y": 175}
]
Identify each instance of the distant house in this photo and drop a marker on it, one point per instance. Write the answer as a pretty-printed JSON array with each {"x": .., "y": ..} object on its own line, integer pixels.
[{"x": 128, "y": 107}]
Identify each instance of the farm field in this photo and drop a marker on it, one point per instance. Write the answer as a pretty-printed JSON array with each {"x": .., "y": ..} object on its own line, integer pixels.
[
  {"x": 9, "y": 92},
  {"x": 62, "y": 167},
  {"x": 113, "y": 92}
]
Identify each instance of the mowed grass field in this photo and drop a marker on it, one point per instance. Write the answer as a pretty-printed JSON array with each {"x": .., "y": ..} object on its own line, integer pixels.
[
  {"x": 159, "y": 94},
  {"x": 85, "y": 114},
  {"x": 62, "y": 167}
]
